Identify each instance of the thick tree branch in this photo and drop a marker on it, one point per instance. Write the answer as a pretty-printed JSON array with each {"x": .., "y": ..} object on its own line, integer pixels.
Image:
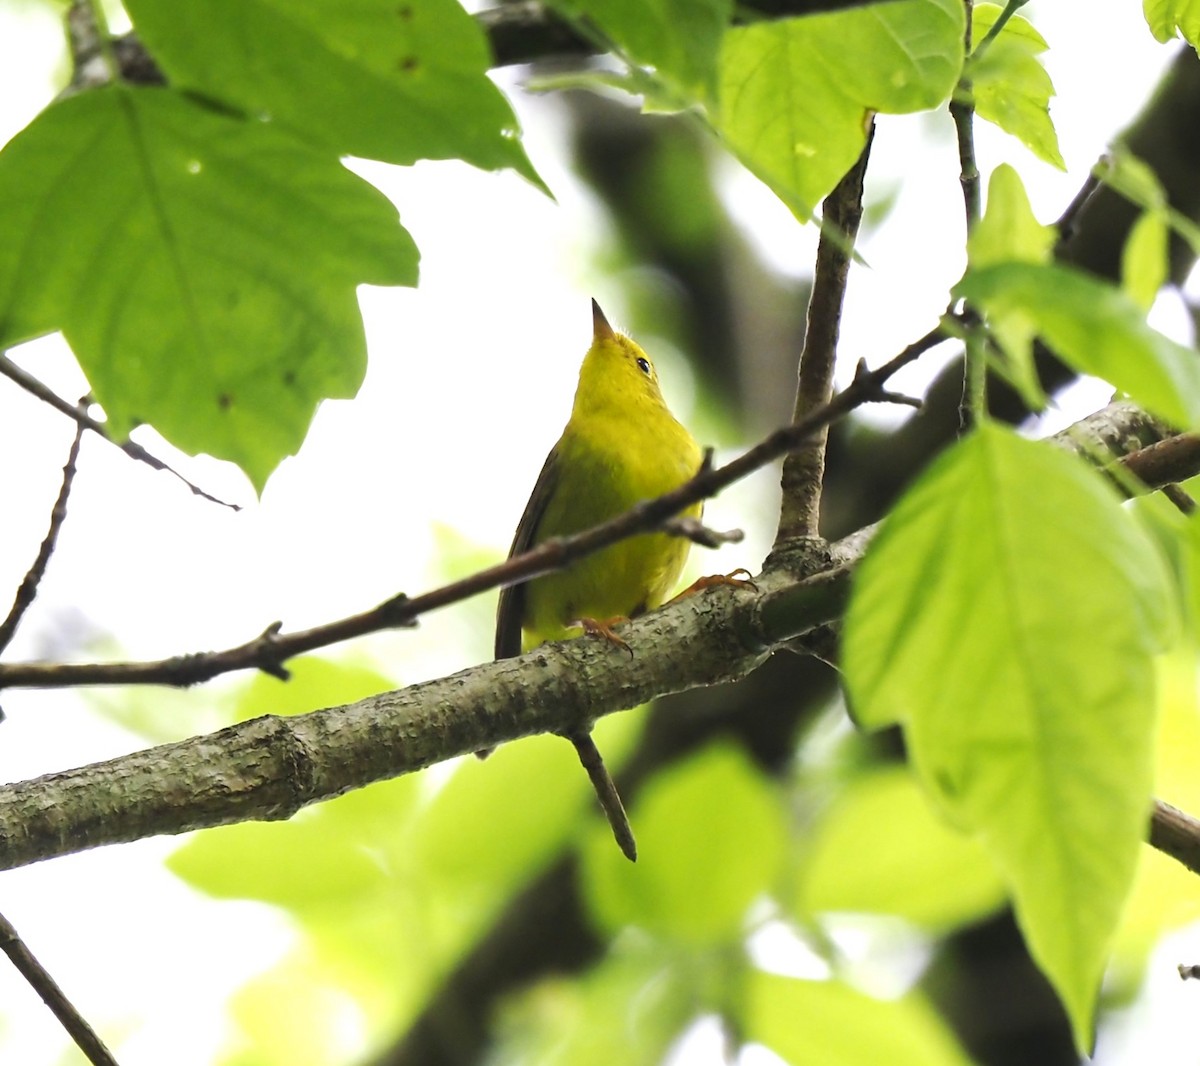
[{"x": 269, "y": 768}]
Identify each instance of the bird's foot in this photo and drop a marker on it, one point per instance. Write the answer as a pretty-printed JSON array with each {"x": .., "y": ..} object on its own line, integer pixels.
[
  {"x": 603, "y": 628},
  {"x": 731, "y": 578}
]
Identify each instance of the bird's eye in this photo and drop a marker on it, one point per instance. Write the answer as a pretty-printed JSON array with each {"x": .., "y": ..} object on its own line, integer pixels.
[{"x": 644, "y": 366}]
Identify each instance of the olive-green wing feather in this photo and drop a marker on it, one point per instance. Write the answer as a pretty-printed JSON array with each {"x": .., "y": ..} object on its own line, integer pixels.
[{"x": 512, "y": 599}]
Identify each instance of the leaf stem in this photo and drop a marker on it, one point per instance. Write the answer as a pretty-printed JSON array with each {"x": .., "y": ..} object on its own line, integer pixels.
[
  {"x": 1010, "y": 9},
  {"x": 973, "y": 407}
]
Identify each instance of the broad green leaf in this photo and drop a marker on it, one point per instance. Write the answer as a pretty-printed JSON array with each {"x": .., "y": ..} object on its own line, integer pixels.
[
  {"x": 710, "y": 840},
  {"x": 830, "y": 1022},
  {"x": 882, "y": 849},
  {"x": 680, "y": 39},
  {"x": 396, "y": 80},
  {"x": 1168, "y": 17},
  {"x": 1144, "y": 259},
  {"x": 209, "y": 288},
  {"x": 1009, "y": 231},
  {"x": 1007, "y": 614},
  {"x": 1097, "y": 329},
  {"x": 796, "y": 94},
  {"x": 1011, "y": 87}
]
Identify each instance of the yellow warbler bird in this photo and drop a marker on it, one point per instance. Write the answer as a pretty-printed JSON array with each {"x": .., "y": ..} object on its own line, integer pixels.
[{"x": 621, "y": 445}]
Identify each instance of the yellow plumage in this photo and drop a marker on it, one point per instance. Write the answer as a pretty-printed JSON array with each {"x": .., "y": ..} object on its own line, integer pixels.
[{"x": 621, "y": 445}]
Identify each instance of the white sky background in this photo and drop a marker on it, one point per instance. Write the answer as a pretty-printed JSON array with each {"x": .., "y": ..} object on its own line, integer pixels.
[{"x": 470, "y": 381}]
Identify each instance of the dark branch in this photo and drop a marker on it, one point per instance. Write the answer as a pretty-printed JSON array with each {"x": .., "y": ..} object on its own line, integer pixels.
[
  {"x": 804, "y": 469},
  {"x": 45, "y": 986},
  {"x": 27, "y": 591},
  {"x": 79, "y": 414},
  {"x": 1176, "y": 458},
  {"x": 1175, "y": 833}
]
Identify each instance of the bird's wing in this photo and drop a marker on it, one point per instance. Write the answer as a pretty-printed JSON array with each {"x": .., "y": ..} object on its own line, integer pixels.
[{"x": 512, "y": 598}]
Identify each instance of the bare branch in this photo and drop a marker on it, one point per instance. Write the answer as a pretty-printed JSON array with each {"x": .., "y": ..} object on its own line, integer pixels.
[
  {"x": 804, "y": 468},
  {"x": 1175, "y": 833},
  {"x": 45, "y": 986},
  {"x": 1173, "y": 459},
  {"x": 270, "y": 767},
  {"x": 271, "y": 649},
  {"x": 27, "y": 591},
  {"x": 79, "y": 414},
  {"x": 698, "y": 533}
]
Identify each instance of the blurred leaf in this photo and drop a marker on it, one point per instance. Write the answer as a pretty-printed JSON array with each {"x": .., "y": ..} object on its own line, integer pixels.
[
  {"x": 1144, "y": 259},
  {"x": 1006, "y": 614},
  {"x": 680, "y": 39},
  {"x": 1097, "y": 329},
  {"x": 881, "y": 849},
  {"x": 626, "y": 1009},
  {"x": 293, "y": 1015},
  {"x": 1008, "y": 231},
  {"x": 495, "y": 822},
  {"x": 830, "y": 1022},
  {"x": 326, "y": 855},
  {"x": 1136, "y": 181},
  {"x": 1011, "y": 87},
  {"x": 1164, "y": 896},
  {"x": 710, "y": 835},
  {"x": 1132, "y": 178},
  {"x": 222, "y": 352},
  {"x": 795, "y": 95},
  {"x": 1167, "y": 17},
  {"x": 396, "y": 80},
  {"x": 315, "y": 682}
]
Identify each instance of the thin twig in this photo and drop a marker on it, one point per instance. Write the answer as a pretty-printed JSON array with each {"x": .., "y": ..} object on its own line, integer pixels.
[
  {"x": 1182, "y": 501},
  {"x": 272, "y": 648},
  {"x": 30, "y": 384},
  {"x": 1010, "y": 9},
  {"x": 45, "y": 986},
  {"x": 698, "y": 533},
  {"x": 1068, "y": 221},
  {"x": 27, "y": 591},
  {"x": 804, "y": 468},
  {"x": 606, "y": 791}
]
